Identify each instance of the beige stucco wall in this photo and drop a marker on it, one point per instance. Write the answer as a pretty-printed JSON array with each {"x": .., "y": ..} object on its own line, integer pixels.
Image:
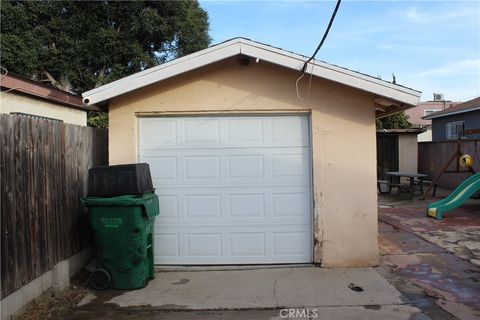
[
  {"x": 407, "y": 153},
  {"x": 343, "y": 141},
  {"x": 14, "y": 102}
]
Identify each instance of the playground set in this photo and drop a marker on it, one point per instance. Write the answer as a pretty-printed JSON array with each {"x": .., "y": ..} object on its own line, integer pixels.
[{"x": 467, "y": 189}]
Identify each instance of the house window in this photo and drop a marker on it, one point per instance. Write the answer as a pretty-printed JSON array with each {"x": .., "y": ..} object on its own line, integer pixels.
[
  {"x": 454, "y": 130},
  {"x": 428, "y": 112}
]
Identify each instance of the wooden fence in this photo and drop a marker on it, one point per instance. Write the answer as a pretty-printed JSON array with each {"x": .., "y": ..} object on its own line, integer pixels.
[
  {"x": 43, "y": 172},
  {"x": 433, "y": 156}
]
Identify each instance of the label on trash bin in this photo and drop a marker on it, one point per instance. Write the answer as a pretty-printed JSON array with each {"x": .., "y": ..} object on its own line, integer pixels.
[{"x": 111, "y": 222}]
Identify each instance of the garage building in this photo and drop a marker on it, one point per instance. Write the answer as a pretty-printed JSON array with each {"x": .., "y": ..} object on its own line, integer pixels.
[{"x": 252, "y": 163}]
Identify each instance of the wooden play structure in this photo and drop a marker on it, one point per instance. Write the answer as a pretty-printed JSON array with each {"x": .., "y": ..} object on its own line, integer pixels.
[{"x": 463, "y": 162}]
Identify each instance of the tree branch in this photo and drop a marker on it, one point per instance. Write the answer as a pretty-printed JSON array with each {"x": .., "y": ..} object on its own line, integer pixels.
[
  {"x": 52, "y": 79},
  {"x": 64, "y": 84},
  {"x": 100, "y": 77}
]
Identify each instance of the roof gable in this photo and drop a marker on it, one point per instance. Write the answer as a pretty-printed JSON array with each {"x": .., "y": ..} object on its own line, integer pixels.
[{"x": 241, "y": 46}]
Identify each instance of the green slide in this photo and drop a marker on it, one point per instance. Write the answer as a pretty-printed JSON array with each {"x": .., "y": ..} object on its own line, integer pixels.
[{"x": 461, "y": 194}]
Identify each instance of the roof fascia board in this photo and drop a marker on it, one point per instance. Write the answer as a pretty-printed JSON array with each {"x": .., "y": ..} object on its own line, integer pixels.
[
  {"x": 334, "y": 74},
  {"x": 433, "y": 116},
  {"x": 325, "y": 65},
  {"x": 174, "y": 63},
  {"x": 256, "y": 50}
]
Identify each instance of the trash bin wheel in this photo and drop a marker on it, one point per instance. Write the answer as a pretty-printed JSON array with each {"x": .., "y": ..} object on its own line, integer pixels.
[{"x": 100, "y": 279}]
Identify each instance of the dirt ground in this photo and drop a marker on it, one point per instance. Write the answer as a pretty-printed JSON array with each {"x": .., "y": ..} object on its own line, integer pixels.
[{"x": 58, "y": 306}]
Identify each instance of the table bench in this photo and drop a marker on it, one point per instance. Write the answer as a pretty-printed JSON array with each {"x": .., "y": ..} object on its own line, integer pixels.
[
  {"x": 412, "y": 178},
  {"x": 385, "y": 187}
]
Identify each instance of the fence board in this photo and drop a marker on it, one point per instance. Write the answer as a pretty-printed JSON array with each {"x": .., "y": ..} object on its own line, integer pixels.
[
  {"x": 3, "y": 198},
  {"x": 9, "y": 238},
  {"x": 19, "y": 209},
  {"x": 44, "y": 170}
]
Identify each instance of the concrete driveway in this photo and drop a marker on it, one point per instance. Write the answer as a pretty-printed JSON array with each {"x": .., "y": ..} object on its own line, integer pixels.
[
  {"x": 425, "y": 273},
  {"x": 255, "y": 293}
]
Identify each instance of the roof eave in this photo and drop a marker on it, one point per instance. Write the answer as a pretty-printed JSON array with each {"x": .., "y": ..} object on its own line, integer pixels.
[
  {"x": 20, "y": 85},
  {"x": 433, "y": 116}
]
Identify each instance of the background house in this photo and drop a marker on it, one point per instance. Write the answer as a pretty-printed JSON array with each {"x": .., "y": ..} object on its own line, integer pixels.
[
  {"x": 416, "y": 115},
  {"x": 24, "y": 96},
  {"x": 252, "y": 165},
  {"x": 451, "y": 124}
]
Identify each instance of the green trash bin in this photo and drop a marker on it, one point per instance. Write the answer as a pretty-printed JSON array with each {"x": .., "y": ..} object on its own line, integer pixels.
[{"x": 123, "y": 231}]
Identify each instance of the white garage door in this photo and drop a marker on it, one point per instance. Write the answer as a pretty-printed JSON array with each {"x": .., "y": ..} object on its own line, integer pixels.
[{"x": 232, "y": 190}]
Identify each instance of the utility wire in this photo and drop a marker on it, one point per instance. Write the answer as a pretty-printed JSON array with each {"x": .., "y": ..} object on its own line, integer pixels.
[
  {"x": 324, "y": 35},
  {"x": 4, "y": 74}
]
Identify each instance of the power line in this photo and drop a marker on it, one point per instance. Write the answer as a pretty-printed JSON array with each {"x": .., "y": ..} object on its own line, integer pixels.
[{"x": 324, "y": 35}]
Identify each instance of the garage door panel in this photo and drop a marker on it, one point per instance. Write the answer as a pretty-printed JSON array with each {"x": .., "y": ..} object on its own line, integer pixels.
[
  {"x": 232, "y": 260},
  {"x": 245, "y": 166},
  {"x": 223, "y": 132},
  {"x": 167, "y": 245},
  {"x": 290, "y": 166},
  {"x": 158, "y": 133},
  {"x": 289, "y": 131},
  {"x": 231, "y": 189},
  {"x": 292, "y": 204},
  {"x": 164, "y": 168},
  {"x": 257, "y": 245},
  {"x": 201, "y": 131},
  {"x": 231, "y": 168},
  {"x": 201, "y": 167},
  {"x": 282, "y": 204},
  {"x": 230, "y": 185},
  {"x": 201, "y": 206},
  {"x": 250, "y": 205},
  {"x": 245, "y": 225},
  {"x": 245, "y": 131},
  {"x": 204, "y": 244},
  {"x": 282, "y": 167},
  {"x": 248, "y": 244},
  {"x": 169, "y": 207},
  {"x": 289, "y": 243}
]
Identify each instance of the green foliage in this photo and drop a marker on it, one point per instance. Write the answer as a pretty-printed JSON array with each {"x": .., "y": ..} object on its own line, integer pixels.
[
  {"x": 97, "y": 119},
  {"x": 80, "y": 45},
  {"x": 396, "y": 121}
]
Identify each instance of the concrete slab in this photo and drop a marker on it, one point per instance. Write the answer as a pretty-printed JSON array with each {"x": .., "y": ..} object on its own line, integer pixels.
[
  {"x": 335, "y": 287},
  {"x": 262, "y": 288},
  {"x": 397, "y": 312}
]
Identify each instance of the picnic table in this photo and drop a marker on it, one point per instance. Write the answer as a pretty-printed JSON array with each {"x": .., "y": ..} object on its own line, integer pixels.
[{"x": 411, "y": 177}]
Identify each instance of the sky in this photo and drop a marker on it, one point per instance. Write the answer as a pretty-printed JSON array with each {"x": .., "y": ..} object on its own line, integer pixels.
[{"x": 430, "y": 46}]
